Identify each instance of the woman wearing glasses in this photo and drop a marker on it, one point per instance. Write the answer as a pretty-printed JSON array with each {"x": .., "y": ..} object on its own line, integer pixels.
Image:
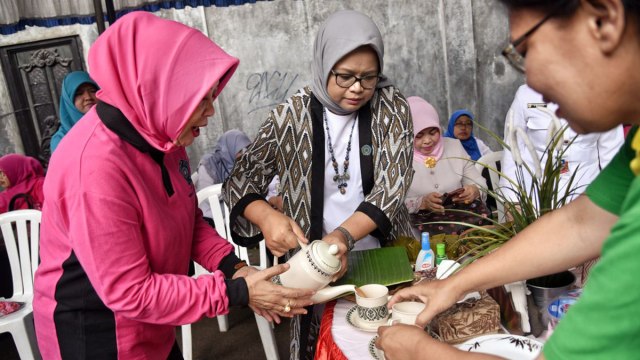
[
  {"x": 461, "y": 127},
  {"x": 445, "y": 178},
  {"x": 342, "y": 149},
  {"x": 583, "y": 56}
]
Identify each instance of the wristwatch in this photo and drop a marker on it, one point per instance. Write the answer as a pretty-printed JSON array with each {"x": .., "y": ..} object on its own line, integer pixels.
[{"x": 347, "y": 235}]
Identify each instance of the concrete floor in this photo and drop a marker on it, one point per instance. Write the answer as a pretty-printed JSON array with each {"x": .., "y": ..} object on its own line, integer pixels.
[{"x": 241, "y": 342}]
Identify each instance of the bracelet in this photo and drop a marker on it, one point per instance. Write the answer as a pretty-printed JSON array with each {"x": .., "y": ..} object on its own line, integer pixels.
[
  {"x": 347, "y": 235},
  {"x": 240, "y": 265}
]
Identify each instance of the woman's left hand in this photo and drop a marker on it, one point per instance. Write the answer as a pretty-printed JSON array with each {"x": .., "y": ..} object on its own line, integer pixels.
[
  {"x": 336, "y": 237},
  {"x": 470, "y": 193},
  {"x": 270, "y": 300},
  {"x": 267, "y": 314}
]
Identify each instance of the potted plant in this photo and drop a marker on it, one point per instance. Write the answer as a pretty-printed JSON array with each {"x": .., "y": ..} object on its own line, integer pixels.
[{"x": 523, "y": 201}]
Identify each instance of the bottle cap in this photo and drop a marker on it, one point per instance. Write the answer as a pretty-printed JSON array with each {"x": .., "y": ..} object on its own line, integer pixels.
[
  {"x": 425, "y": 241},
  {"x": 440, "y": 249}
]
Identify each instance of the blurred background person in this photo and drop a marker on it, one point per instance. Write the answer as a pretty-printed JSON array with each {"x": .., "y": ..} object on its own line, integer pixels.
[
  {"x": 22, "y": 178},
  {"x": 21, "y": 175},
  {"x": 585, "y": 155},
  {"x": 461, "y": 127},
  {"x": 442, "y": 166},
  {"x": 77, "y": 96},
  {"x": 215, "y": 166}
]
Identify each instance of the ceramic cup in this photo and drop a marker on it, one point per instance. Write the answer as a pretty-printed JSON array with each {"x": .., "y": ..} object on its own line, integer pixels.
[
  {"x": 372, "y": 308},
  {"x": 406, "y": 312}
]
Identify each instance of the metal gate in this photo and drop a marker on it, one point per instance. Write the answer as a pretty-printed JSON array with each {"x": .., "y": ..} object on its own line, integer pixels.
[{"x": 34, "y": 73}]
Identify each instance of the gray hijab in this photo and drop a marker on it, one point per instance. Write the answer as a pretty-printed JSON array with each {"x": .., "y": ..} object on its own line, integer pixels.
[
  {"x": 220, "y": 162},
  {"x": 342, "y": 32}
]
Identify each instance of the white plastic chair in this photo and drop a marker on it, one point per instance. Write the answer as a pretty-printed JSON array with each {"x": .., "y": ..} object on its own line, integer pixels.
[
  {"x": 194, "y": 179},
  {"x": 220, "y": 214},
  {"x": 23, "y": 260},
  {"x": 490, "y": 161}
]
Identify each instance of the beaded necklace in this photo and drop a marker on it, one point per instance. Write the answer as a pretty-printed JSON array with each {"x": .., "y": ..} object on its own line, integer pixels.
[{"x": 341, "y": 180}]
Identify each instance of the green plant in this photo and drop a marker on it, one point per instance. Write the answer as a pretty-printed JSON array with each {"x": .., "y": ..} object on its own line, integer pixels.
[{"x": 524, "y": 202}]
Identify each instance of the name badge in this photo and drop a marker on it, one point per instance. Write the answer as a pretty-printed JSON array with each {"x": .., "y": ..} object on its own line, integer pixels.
[{"x": 536, "y": 105}]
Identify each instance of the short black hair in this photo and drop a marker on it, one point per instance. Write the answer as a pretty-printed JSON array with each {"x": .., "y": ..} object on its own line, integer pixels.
[
  {"x": 567, "y": 7},
  {"x": 558, "y": 7}
]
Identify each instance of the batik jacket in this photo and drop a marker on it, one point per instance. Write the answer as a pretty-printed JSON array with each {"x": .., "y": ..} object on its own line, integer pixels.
[{"x": 291, "y": 142}]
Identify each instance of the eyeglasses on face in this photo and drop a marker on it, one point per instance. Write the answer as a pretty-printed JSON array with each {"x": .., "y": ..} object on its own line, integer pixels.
[
  {"x": 516, "y": 59},
  {"x": 347, "y": 80}
]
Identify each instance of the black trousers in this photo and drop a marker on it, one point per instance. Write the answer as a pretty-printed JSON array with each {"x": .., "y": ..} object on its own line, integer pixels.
[{"x": 175, "y": 353}]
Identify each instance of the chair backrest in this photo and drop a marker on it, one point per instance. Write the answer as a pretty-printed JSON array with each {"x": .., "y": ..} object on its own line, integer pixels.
[
  {"x": 220, "y": 215},
  {"x": 194, "y": 179},
  {"x": 21, "y": 233},
  {"x": 219, "y": 210},
  {"x": 490, "y": 161}
]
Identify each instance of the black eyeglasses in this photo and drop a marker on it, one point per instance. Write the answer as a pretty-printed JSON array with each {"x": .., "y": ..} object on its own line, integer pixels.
[
  {"x": 367, "y": 82},
  {"x": 463, "y": 124},
  {"x": 511, "y": 51}
]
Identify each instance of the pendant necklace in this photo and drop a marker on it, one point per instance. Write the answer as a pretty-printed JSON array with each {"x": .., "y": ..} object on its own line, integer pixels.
[{"x": 341, "y": 180}]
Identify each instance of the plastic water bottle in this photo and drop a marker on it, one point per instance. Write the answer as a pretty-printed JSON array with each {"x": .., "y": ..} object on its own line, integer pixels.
[
  {"x": 441, "y": 254},
  {"x": 425, "y": 258}
]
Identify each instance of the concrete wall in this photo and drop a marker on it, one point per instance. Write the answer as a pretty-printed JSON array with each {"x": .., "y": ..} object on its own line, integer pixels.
[{"x": 447, "y": 52}]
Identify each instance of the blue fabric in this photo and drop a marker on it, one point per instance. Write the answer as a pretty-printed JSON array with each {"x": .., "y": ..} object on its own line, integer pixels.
[
  {"x": 6, "y": 29},
  {"x": 69, "y": 114},
  {"x": 470, "y": 145}
]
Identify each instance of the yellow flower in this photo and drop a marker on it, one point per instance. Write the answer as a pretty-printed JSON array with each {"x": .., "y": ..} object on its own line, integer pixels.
[
  {"x": 635, "y": 163},
  {"x": 430, "y": 162}
]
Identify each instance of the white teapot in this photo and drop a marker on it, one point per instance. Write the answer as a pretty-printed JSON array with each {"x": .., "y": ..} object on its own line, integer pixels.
[{"x": 313, "y": 267}]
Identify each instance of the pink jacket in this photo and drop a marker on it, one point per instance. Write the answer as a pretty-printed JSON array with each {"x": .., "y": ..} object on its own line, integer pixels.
[{"x": 115, "y": 247}]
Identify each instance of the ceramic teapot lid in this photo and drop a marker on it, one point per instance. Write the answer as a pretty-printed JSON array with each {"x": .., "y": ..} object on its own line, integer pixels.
[{"x": 325, "y": 256}]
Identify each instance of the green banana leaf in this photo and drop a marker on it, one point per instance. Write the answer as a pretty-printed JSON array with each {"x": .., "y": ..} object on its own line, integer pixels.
[{"x": 386, "y": 266}]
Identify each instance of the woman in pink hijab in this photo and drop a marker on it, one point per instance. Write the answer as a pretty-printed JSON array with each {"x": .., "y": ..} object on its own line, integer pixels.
[
  {"x": 444, "y": 173},
  {"x": 21, "y": 175},
  {"x": 121, "y": 224}
]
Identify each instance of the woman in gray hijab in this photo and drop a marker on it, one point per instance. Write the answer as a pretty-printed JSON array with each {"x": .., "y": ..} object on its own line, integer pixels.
[
  {"x": 215, "y": 166},
  {"x": 342, "y": 148}
]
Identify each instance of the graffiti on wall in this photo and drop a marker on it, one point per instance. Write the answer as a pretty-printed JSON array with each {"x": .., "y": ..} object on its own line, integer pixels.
[{"x": 269, "y": 88}]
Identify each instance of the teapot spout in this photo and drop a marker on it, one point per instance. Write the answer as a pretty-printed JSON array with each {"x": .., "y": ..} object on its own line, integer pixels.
[{"x": 331, "y": 292}]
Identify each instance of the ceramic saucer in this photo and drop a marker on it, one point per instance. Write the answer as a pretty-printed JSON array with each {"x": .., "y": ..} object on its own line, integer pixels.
[
  {"x": 374, "y": 351},
  {"x": 354, "y": 320}
]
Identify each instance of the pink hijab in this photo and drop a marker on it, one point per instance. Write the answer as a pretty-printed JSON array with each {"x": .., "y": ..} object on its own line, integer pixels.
[
  {"x": 157, "y": 88},
  {"x": 25, "y": 176},
  {"x": 425, "y": 116}
]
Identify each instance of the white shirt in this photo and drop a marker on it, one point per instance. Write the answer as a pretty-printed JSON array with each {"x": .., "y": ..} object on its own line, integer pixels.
[
  {"x": 484, "y": 148},
  {"x": 588, "y": 153},
  {"x": 338, "y": 207}
]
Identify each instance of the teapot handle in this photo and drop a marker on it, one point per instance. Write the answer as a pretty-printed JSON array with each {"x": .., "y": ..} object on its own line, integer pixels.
[{"x": 303, "y": 246}]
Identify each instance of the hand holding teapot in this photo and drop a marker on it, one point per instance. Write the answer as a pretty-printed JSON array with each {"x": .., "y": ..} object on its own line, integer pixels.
[{"x": 314, "y": 267}]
